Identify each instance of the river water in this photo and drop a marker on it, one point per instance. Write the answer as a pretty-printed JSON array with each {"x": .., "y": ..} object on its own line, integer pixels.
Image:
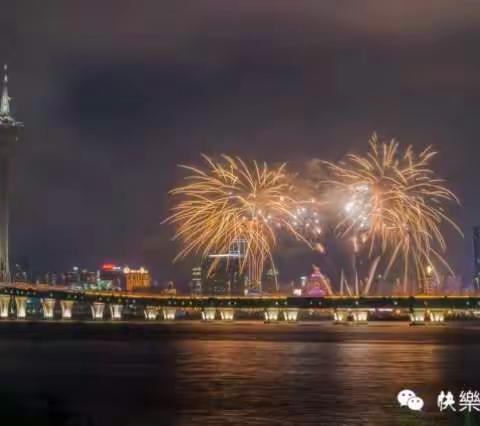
[{"x": 255, "y": 374}]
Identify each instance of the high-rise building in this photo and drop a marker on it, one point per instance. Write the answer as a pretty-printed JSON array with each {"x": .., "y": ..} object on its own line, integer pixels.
[
  {"x": 115, "y": 275},
  {"x": 125, "y": 278},
  {"x": 81, "y": 278},
  {"x": 20, "y": 273},
  {"x": 196, "y": 281},
  {"x": 476, "y": 257},
  {"x": 221, "y": 274},
  {"x": 73, "y": 277},
  {"x": 137, "y": 279},
  {"x": 9, "y": 132},
  {"x": 218, "y": 273},
  {"x": 51, "y": 278}
]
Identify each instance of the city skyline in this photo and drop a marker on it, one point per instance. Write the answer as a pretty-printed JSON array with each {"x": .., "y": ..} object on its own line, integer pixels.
[
  {"x": 112, "y": 121},
  {"x": 255, "y": 212}
]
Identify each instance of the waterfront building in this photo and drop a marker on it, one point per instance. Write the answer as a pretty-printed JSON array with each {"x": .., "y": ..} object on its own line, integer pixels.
[
  {"x": 51, "y": 278},
  {"x": 73, "y": 277},
  {"x": 20, "y": 273},
  {"x": 196, "y": 281},
  {"x": 221, "y": 273},
  {"x": 298, "y": 287},
  {"x": 125, "y": 278},
  {"x": 137, "y": 279},
  {"x": 81, "y": 278},
  {"x": 114, "y": 274}
]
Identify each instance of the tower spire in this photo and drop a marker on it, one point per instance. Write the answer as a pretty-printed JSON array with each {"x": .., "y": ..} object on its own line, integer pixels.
[{"x": 5, "y": 99}]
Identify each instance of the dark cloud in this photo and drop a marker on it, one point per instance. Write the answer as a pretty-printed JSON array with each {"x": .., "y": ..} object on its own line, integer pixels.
[{"x": 115, "y": 93}]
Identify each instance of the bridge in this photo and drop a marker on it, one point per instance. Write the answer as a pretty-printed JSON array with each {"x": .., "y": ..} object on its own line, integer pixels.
[{"x": 59, "y": 302}]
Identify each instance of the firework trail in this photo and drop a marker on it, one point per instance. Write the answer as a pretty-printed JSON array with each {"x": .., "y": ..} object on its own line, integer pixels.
[
  {"x": 231, "y": 200},
  {"x": 393, "y": 203}
]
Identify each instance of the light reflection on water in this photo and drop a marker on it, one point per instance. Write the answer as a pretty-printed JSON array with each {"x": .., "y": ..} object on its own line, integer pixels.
[
  {"x": 302, "y": 382},
  {"x": 202, "y": 374}
]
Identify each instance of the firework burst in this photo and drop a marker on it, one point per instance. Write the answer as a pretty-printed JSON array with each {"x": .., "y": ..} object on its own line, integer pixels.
[
  {"x": 230, "y": 201},
  {"x": 394, "y": 204}
]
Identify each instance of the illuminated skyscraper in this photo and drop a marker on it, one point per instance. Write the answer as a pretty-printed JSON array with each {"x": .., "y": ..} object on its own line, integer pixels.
[
  {"x": 137, "y": 279},
  {"x": 9, "y": 130},
  {"x": 225, "y": 278},
  {"x": 196, "y": 282},
  {"x": 114, "y": 274}
]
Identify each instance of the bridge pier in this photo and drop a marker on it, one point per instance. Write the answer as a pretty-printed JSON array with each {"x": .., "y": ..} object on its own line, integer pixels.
[
  {"x": 436, "y": 316},
  {"x": 350, "y": 316},
  {"x": 271, "y": 314},
  {"x": 48, "y": 306},
  {"x": 427, "y": 317},
  {"x": 116, "y": 311},
  {"x": 359, "y": 316},
  {"x": 66, "y": 306},
  {"x": 4, "y": 306},
  {"x": 290, "y": 315},
  {"x": 227, "y": 314},
  {"x": 151, "y": 312},
  {"x": 418, "y": 316},
  {"x": 169, "y": 313},
  {"x": 97, "y": 310},
  {"x": 21, "y": 304},
  {"x": 340, "y": 316},
  {"x": 208, "y": 314}
]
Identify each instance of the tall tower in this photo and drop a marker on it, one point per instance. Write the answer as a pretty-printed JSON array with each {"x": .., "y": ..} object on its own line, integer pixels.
[{"x": 9, "y": 129}]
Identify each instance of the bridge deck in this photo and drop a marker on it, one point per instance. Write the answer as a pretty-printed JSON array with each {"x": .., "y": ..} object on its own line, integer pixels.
[{"x": 279, "y": 301}]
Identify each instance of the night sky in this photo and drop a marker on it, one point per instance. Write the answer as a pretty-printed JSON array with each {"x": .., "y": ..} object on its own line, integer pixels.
[{"x": 114, "y": 94}]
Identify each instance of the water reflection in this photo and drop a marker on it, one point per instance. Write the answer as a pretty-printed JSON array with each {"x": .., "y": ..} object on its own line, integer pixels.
[
  {"x": 203, "y": 374},
  {"x": 320, "y": 382}
]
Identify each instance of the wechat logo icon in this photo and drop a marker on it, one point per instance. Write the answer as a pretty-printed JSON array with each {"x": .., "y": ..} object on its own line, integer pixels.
[{"x": 407, "y": 398}]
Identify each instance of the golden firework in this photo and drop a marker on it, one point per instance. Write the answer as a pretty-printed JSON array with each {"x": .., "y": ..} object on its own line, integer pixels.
[
  {"x": 394, "y": 202},
  {"x": 230, "y": 202}
]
